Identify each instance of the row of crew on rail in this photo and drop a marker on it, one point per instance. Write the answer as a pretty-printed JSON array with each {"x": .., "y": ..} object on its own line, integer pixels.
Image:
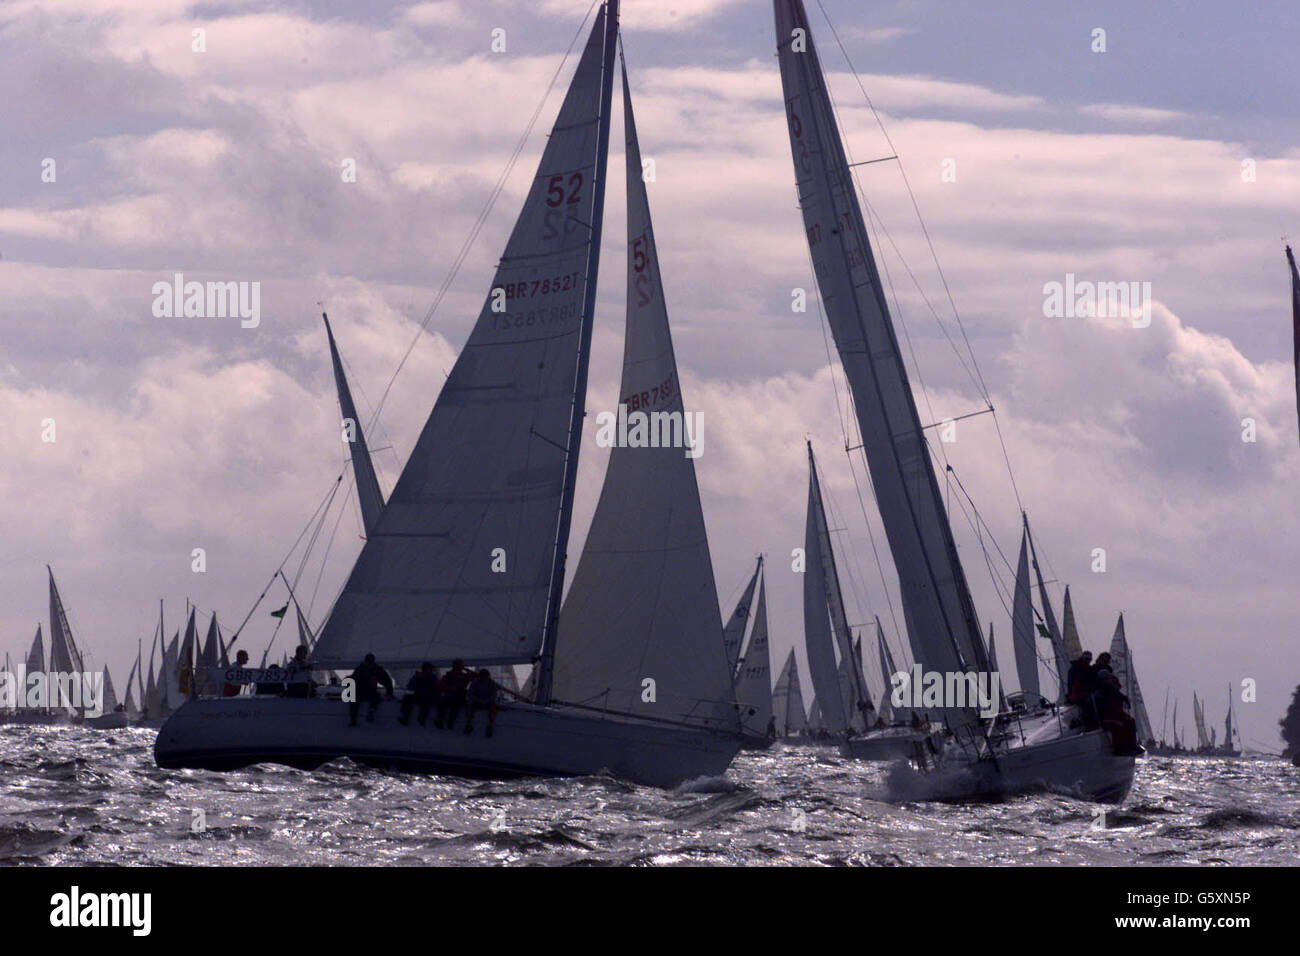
[{"x": 428, "y": 692}]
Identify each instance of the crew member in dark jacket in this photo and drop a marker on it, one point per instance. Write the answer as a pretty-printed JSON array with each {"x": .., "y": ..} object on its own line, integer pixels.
[
  {"x": 421, "y": 691},
  {"x": 368, "y": 676}
]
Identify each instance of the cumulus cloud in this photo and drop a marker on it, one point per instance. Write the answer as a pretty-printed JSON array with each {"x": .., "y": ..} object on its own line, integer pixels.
[{"x": 176, "y": 434}]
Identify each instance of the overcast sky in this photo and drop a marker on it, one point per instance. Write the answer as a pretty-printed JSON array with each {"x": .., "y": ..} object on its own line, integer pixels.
[{"x": 1124, "y": 165}]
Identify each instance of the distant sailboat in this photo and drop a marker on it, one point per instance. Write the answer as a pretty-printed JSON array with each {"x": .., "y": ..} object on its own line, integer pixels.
[
  {"x": 65, "y": 656},
  {"x": 753, "y": 679},
  {"x": 112, "y": 718},
  {"x": 1125, "y": 671},
  {"x": 631, "y": 674},
  {"x": 937, "y": 604},
  {"x": 787, "y": 700}
]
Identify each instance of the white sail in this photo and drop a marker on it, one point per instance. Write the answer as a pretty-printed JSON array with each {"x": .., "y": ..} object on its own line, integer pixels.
[
  {"x": 733, "y": 635},
  {"x": 816, "y": 620},
  {"x": 1070, "y": 631},
  {"x": 154, "y": 703},
  {"x": 754, "y": 679},
  {"x": 933, "y": 590},
  {"x": 1022, "y": 628},
  {"x": 1122, "y": 666},
  {"x": 65, "y": 658},
  {"x": 110, "y": 695},
  {"x": 993, "y": 668},
  {"x": 129, "y": 705},
  {"x": 887, "y": 672},
  {"x": 369, "y": 495},
  {"x": 1053, "y": 633},
  {"x": 36, "y": 656},
  {"x": 1198, "y": 716},
  {"x": 460, "y": 562},
  {"x": 170, "y": 676},
  {"x": 643, "y": 605},
  {"x": 787, "y": 699}
]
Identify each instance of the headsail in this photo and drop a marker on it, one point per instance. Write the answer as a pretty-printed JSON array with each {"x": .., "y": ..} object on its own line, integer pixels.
[
  {"x": 369, "y": 495},
  {"x": 36, "y": 656},
  {"x": 933, "y": 587},
  {"x": 462, "y": 559},
  {"x": 1049, "y": 628},
  {"x": 643, "y": 603},
  {"x": 754, "y": 679},
  {"x": 1022, "y": 628},
  {"x": 64, "y": 655},
  {"x": 734, "y": 633},
  {"x": 787, "y": 699},
  {"x": 816, "y": 621},
  {"x": 887, "y": 672},
  {"x": 1121, "y": 665},
  {"x": 109, "y": 702},
  {"x": 1069, "y": 631}
]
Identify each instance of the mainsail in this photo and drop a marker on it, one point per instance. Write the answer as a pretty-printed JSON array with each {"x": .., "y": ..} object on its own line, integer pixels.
[
  {"x": 1070, "y": 631},
  {"x": 887, "y": 672},
  {"x": 816, "y": 620},
  {"x": 754, "y": 679},
  {"x": 734, "y": 633},
  {"x": 933, "y": 589},
  {"x": 1198, "y": 715},
  {"x": 1022, "y": 628},
  {"x": 463, "y": 559},
  {"x": 369, "y": 494},
  {"x": 36, "y": 656},
  {"x": 109, "y": 703},
  {"x": 643, "y": 605},
  {"x": 787, "y": 699},
  {"x": 64, "y": 656}
]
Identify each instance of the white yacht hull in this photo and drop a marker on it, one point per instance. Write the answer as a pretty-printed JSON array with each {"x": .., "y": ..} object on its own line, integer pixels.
[
  {"x": 225, "y": 734},
  {"x": 1083, "y": 765}
]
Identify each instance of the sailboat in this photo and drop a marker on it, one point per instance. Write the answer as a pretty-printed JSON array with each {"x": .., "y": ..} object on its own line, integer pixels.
[
  {"x": 754, "y": 674},
  {"x": 113, "y": 716},
  {"x": 632, "y": 676},
  {"x": 787, "y": 700},
  {"x": 65, "y": 656},
  {"x": 1125, "y": 671},
  {"x": 940, "y": 613}
]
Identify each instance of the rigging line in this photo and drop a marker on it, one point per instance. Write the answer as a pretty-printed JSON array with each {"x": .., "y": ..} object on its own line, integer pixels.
[
  {"x": 929, "y": 243},
  {"x": 328, "y": 495},
  {"x": 911, "y": 195},
  {"x": 839, "y": 411},
  {"x": 325, "y": 561},
  {"x": 493, "y": 195},
  {"x": 311, "y": 543}
]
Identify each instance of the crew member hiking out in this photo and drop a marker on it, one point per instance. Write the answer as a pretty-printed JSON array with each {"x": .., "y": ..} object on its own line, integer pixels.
[
  {"x": 451, "y": 694},
  {"x": 367, "y": 677},
  {"x": 481, "y": 695},
  {"x": 421, "y": 692}
]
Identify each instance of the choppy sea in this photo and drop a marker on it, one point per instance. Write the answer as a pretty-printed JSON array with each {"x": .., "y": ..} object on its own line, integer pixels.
[{"x": 70, "y": 795}]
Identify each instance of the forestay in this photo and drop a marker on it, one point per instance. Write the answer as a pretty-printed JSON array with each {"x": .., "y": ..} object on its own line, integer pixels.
[
  {"x": 460, "y": 561},
  {"x": 643, "y": 606}
]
